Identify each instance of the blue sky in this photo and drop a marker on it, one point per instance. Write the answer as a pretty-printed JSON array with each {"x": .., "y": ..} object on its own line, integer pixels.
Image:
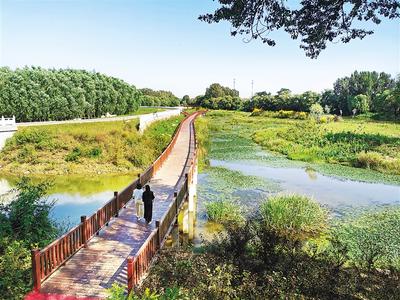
[{"x": 160, "y": 44}]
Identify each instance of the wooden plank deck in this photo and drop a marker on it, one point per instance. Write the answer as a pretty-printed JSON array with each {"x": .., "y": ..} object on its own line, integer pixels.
[{"x": 94, "y": 269}]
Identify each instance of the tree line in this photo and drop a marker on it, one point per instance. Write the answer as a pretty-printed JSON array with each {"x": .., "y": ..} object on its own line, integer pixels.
[
  {"x": 37, "y": 94},
  {"x": 361, "y": 92},
  {"x": 158, "y": 98}
]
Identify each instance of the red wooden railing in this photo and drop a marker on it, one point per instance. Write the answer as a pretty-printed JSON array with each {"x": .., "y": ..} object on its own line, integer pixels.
[
  {"x": 138, "y": 265},
  {"x": 48, "y": 260}
]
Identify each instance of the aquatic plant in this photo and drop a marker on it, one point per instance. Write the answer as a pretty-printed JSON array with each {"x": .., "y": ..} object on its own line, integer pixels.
[
  {"x": 294, "y": 217},
  {"x": 224, "y": 211}
]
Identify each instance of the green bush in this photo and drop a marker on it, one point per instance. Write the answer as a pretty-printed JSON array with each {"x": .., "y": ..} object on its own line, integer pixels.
[
  {"x": 15, "y": 269},
  {"x": 372, "y": 238},
  {"x": 74, "y": 155},
  {"x": 316, "y": 110},
  {"x": 24, "y": 223},
  {"x": 95, "y": 152},
  {"x": 294, "y": 217}
]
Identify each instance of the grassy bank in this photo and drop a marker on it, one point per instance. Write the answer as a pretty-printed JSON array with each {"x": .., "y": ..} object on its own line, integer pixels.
[
  {"x": 360, "y": 143},
  {"x": 290, "y": 250},
  {"x": 89, "y": 148}
]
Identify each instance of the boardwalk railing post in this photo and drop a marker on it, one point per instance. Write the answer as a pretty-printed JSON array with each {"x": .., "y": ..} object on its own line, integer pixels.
[
  {"x": 35, "y": 254},
  {"x": 116, "y": 203},
  {"x": 186, "y": 185},
  {"x": 177, "y": 209},
  {"x": 130, "y": 274},
  {"x": 84, "y": 231},
  {"x": 159, "y": 234}
]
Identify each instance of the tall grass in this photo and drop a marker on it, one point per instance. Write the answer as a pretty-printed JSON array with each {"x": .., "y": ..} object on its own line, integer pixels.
[
  {"x": 294, "y": 217},
  {"x": 224, "y": 211}
]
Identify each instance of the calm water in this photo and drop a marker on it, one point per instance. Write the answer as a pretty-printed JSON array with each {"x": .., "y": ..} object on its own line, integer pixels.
[
  {"x": 333, "y": 192},
  {"x": 76, "y": 196}
]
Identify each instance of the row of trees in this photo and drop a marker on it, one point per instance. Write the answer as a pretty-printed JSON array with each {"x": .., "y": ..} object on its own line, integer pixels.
[
  {"x": 366, "y": 92},
  {"x": 363, "y": 91},
  {"x": 158, "y": 98},
  {"x": 218, "y": 97},
  {"x": 37, "y": 94}
]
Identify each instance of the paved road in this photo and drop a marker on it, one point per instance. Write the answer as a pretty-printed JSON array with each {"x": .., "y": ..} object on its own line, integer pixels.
[{"x": 93, "y": 269}]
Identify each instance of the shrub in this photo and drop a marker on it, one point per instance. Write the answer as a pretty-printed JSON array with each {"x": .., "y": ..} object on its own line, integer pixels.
[
  {"x": 375, "y": 161},
  {"x": 34, "y": 135},
  {"x": 294, "y": 217},
  {"x": 256, "y": 112},
  {"x": 301, "y": 115},
  {"x": 24, "y": 223},
  {"x": 316, "y": 110},
  {"x": 74, "y": 155},
  {"x": 29, "y": 214},
  {"x": 15, "y": 270},
  {"x": 372, "y": 238},
  {"x": 95, "y": 152}
]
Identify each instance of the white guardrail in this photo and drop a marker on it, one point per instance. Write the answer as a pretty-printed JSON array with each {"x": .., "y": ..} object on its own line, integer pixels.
[
  {"x": 146, "y": 120},
  {"x": 7, "y": 121}
]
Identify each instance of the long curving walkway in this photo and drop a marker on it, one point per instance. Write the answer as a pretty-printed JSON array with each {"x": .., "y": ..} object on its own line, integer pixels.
[{"x": 94, "y": 269}]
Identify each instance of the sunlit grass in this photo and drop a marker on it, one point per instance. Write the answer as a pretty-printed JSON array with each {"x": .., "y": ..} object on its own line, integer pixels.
[{"x": 95, "y": 148}]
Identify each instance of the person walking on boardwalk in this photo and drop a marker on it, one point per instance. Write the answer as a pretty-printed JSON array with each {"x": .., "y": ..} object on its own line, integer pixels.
[
  {"x": 148, "y": 197},
  {"x": 138, "y": 196}
]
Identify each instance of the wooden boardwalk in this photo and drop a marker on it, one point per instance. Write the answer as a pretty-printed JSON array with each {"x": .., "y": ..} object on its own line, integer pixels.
[{"x": 94, "y": 269}]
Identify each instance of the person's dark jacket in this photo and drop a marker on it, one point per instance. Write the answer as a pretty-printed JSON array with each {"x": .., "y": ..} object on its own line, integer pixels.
[{"x": 148, "y": 197}]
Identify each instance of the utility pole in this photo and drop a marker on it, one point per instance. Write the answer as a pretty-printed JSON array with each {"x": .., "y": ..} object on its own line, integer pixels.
[
  {"x": 234, "y": 83},
  {"x": 252, "y": 88}
]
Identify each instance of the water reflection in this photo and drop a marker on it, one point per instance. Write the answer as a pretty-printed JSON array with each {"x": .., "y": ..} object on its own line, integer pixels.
[
  {"x": 332, "y": 192},
  {"x": 76, "y": 196}
]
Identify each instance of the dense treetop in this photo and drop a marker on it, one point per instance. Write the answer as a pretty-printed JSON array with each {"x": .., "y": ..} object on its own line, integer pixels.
[
  {"x": 158, "y": 98},
  {"x": 315, "y": 22},
  {"x": 37, "y": 94}
]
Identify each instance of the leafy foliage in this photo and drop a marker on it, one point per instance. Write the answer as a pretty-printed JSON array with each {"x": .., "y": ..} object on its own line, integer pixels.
[
  {"x": 315, "y": 22},
  {"x": 24, "y": 223},
  {"x": 219, "y": 97},
  {"x": 36, "y": 94},
  {"x": 158, "y": 98},
  {"x": 372, "y": 238},
  {"x": 283, "y": 100},
  {"x": 365, "y": 91}
]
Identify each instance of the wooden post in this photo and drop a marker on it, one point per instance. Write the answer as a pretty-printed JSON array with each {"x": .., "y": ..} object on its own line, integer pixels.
[
  {"x": 158, "y": 233},
  {"x": 84, "y": 231},
  {"x": 138, "y": 175},
  {"x": 130, "y": 274},
  {"x": 186, "y": 184},
  {"x": 177, "y": 209},
  {"x": 116, "y": 203},
  {"x": 35, "y": 254}
]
